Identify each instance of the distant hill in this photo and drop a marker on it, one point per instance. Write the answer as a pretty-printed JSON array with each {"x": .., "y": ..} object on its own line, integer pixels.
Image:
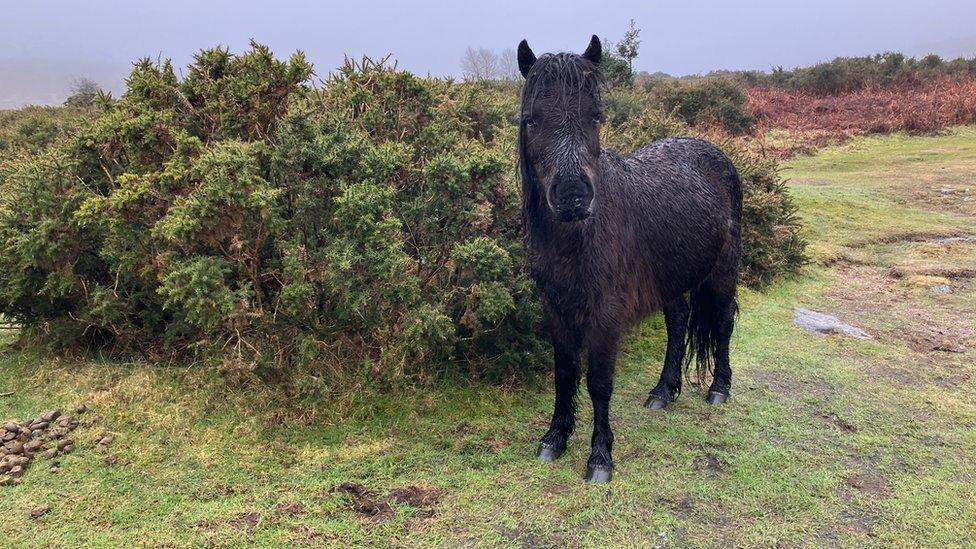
[
  {"x": 948, "y": 48},
  {"x": 49, "y": 83}
]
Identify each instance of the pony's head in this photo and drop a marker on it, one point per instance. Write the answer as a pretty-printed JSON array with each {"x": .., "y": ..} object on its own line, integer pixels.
[{"x": 559, "y": 139}]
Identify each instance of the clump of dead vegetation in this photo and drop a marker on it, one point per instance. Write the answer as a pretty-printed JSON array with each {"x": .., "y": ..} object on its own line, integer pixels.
[{"x": 813, "y": 120}]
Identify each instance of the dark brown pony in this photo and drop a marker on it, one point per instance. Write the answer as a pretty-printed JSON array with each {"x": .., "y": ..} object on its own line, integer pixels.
[{"x": 612, "y": 239}]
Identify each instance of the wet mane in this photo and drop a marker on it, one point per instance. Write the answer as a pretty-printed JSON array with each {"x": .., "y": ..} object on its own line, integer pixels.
[{"x": 562, "y": 74}]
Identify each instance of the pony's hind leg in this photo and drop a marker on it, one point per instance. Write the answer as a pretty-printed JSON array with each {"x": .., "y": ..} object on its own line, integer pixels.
[
  {"x": 721, "y": 289},
  {"x": 669, "y": 386},
  {"x": 722, "y": 378},
  {"x": 710, "y": 323}
]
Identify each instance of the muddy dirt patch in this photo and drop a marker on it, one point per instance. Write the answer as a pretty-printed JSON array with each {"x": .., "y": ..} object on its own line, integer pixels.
[
  {"x": 858, "y": 522},
  {"x": 363, "y": 502},
  {"x": 861, "y": 492},
  {"x": 956, "y": 198},
  {"x": 928, "y": 339},
  {"x": 247, "y": 522},
  {"x": 307, "y": 537},
  {"x": 683, "y": 507},
  {"x": 880, "y": 296},
  {"x": 366, "y": 503},
  {"x": 710, "y": 464},
  {"x": 870, "y": 480},
  {"x": 952, "y": 273},
  {"x": 906, "y": 237},
  {"x": 840, "y": 423},
  {"x": 416, "y": 497},
  {"x": 244, "y": 521},
  {"x": 788, "y": 385},
  {"x": 290, "y": 508},
  {"x": 892, "y": 374},
  {"x": 527, "y": 538}
]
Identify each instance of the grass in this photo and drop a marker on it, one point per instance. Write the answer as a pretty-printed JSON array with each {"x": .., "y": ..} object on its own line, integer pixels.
[{"x": 828, "y": 441}]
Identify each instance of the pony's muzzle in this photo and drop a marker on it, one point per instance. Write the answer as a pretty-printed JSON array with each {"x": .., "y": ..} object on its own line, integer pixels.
[{"x": 571, "y": 198}]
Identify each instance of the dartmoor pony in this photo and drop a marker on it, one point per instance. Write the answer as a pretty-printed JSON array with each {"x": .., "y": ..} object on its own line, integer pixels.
[{"x": 612, "y": 239}]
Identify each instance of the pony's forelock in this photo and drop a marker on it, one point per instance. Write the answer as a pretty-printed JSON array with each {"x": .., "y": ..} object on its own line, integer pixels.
[{"x": 565, "y": 74}]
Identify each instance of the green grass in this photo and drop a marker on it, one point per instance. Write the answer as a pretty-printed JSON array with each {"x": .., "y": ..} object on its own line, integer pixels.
[{"x": 828, "y": 441}]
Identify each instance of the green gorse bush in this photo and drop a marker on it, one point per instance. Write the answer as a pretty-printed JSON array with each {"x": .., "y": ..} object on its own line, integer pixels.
[{"x": 708, "y": 101}]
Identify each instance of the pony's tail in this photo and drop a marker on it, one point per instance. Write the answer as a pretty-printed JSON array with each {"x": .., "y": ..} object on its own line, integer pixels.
[{"x": 701, "y": 341}]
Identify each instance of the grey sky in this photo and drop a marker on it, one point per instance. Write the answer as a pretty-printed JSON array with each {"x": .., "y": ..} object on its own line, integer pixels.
[{"x": 45, "y": 44}]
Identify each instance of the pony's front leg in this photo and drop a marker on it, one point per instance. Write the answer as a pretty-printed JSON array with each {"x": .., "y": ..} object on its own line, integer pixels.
[
  {"x": 567, "y": 378},
  {"x": 599, "y": 383}
]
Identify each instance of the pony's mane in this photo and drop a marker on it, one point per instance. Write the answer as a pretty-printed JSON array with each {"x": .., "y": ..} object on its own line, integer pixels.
[{"x": 562, "y": 74}]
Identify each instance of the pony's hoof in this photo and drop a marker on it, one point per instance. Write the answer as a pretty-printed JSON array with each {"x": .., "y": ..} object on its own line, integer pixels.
[
  {"x": 548, "y": 452},
  {"x": 715, "y": 397},
  {"x": 598, "y": 474},
  {"x": 655, "y": 402}
]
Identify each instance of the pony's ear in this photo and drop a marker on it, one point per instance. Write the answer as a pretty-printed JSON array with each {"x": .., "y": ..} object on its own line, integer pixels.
[
  {"x": 525, "y": 58},
  {"x": 594, "y": 51}
]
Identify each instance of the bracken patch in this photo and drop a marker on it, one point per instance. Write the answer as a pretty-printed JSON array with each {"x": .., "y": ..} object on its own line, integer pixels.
[{"x": 815, "y": 120}]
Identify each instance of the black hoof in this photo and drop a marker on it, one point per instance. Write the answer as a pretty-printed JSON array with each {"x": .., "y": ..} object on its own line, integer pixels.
[
  {"x": 655, "y": 402},
  {"x": 715, "y": 397},
  {"x": 598, "y": 474},
  {"x": 548, "y": 452}
]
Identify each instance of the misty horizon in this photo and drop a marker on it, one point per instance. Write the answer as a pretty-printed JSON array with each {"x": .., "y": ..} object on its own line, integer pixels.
[{"x": 44, "y": 49}]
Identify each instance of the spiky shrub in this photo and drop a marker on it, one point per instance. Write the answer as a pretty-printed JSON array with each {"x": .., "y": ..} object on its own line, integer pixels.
[
  {"x": 32, "y": 129},
  {"x": 239, "y": 213},
  {"x": 369, "y": 227},
  {"x": 711, "y": 101}
]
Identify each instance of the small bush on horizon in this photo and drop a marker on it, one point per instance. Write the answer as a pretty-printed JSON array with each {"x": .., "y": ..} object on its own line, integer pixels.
[
  {"x": 30, "y": 130},
  {"x": 707, "y": 102},
  {"x": 849, "y": 74}
]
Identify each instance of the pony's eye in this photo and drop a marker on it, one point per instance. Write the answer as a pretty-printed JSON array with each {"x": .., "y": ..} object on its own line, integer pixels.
[{"x": 530, "y": 122}]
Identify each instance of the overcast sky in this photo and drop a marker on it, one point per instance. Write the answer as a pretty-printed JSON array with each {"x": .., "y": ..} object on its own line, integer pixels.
[{"x": 46, "y": 44}]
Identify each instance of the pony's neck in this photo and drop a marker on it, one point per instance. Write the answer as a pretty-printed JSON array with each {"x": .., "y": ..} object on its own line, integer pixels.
[{"x": 544, "y": 230}]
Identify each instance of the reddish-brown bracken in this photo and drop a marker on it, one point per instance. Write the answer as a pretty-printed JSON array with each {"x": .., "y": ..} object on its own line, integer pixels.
[{"x": 813, "y": 120}]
